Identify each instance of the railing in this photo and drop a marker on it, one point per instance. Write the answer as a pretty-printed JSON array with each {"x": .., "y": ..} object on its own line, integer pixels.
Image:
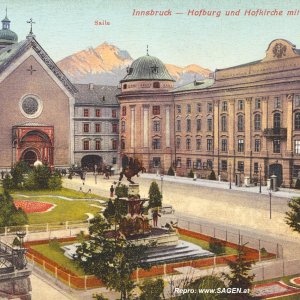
[{"x": 275, "y": 132}]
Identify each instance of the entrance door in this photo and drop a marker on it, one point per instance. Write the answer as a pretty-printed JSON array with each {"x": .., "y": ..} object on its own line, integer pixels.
[
  {"x": 276, "y": 169},
  {"x": 89, "y": 162},
  {"x": 30, "y": 157}
]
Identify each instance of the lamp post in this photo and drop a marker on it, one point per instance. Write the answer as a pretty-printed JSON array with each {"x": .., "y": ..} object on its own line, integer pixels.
[
  {"x": 95, "y": 173},
  {"x": 270, "y": 196},
  {"x": 230, "y": 176},
  {"x": 259, "y": 178},
  {"x": 161, "y": 184}
]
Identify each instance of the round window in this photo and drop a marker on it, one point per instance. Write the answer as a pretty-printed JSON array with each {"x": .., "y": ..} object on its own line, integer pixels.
[{"x": 31, "y": 106}]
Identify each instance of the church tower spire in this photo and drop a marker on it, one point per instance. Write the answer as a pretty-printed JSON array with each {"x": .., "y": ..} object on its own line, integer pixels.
[{"x": 7, "y": 37}]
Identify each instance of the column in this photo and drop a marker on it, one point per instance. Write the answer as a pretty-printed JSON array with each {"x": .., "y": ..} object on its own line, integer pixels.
[
  {"x": 248, "y": 137},
  {"x": 231, "y": 127},
  {"x": 216, "y": 127},
  {"x": 146, "y": 125},
  {"x": 132, "y": 126},
  {"x": 264, "y": 125},
  {"x": 167, "y": 129},
  {"x": 289, "y": 124}
]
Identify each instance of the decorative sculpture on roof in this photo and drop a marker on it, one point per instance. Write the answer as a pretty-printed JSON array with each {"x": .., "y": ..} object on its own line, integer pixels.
[{"x": 279, "y": 50}]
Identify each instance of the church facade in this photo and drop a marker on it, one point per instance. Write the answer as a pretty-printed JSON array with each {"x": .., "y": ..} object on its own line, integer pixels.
[
  {"x": 37, "y": 104},
  {"x": 244, "y": 121}
]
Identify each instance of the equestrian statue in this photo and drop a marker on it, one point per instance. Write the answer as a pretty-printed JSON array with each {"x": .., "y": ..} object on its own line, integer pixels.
[{"x": 130, "y": 168}]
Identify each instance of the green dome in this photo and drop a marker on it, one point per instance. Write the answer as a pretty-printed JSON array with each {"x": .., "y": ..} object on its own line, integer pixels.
[
  {"x": 8, "y": 35},
  {"x": 147, "y": 68}
]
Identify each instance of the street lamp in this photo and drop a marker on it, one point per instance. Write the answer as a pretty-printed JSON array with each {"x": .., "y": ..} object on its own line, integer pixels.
[
  {"x": 259, "y": 178},
  {"x": 270, "y": 196},
  {"x": 230, "y": 176},
  {"x": 95, "y": 173},
  {"x": 161, "y": 184}
]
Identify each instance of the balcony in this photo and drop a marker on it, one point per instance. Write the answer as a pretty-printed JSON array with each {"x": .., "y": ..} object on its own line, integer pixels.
[{"x": 275, "y": 133}]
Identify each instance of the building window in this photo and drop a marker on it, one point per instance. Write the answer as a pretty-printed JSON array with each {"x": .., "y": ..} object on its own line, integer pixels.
[
  {"x": 296, "y": 171},
  {"x": 125, "y": 86},
  {"x": 297, "y": 147},
  {"x": 241, "y": 105},
  {"x": 209, "y": 107},
  {"x": 277, "y": 102},
  {"x": 198, "y": 107},
  {"x": 178, "y": 125},
  {"x": 297, "y": 100},
  {"x": 209, "y": 164},
  {"x": 198, "y": 144},
  {"x": 115, "y": 128},
  {"x": 97, "y": 127},
  {"x": 276, "y": 120},
  {"x": 113, "y": 113},
  {"x": 241, "y": 147},
  {"x": 257, "y": 144},
  {"x": 156, "y": 110},
  {"x": 224, "y": 165},
  {"x": 98, "y": 145},
  {"x": 209, "y": 144},
  {"x": 276, "y": 145},
  {"x": 188, "y": 144},
  {"x": 178, "y": 109},
  {"x": 188, "y": 163},
  {"x": 257, "y": 103},
  {"x": 178, "y": 162},
  {"x": 224, "y": 106},
  {"x": 240, "y": 166},
  {"x": 257, "y": 122},
  {"x": 209, "y": 124},
  {"x": 156, "y": 126},
  {"x": 188, "y": 125},
  {"x": 240, "y": 123},
  {"x": 188, "y": 108},
  {"x": 178, "y": 143},
  {"x": 156, "y": 162},
  {"x": 86, "y": 127},
  {"x": 86, "y": 112},
  {"x": 123, "y": 126},
  {"x": 198, "y": 124},
  {"x": 114, "y": 144},
  {"x": 98, "y": 112},
  {"x": 255, "y": 168},
  {"x": 114, "y": 160},
  {"x": 122, "y": 144},
  {"x": 156, "y": 143},
  {"x": 198, "y": 164},
  {"x": 297, "y": 121},
  {"x": 156, "y": 85},
  {"x": 223, "y": 123},
  {"x": 124, "y": 111},
  {"x": 86, "y": 145},
  {"x": 224, "y": 145}
]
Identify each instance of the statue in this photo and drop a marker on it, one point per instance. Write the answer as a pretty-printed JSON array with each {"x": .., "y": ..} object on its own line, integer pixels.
[{"x": 130, "y": 168}]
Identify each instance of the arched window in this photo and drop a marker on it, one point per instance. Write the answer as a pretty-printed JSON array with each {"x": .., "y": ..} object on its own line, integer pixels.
[
  {"x": 122, "y": 144},
  {"x": 297, "y": 121},
  {"x": 124, "y": 111},
  {"x": 223, "y": 123},
  {"x": 156, "y": 85},
  {"x": 257, "y": 122},
  {"x": 276, "y": 120},
  {"x": 188, "y": 144},
  {"x": 240, "y": 123}
]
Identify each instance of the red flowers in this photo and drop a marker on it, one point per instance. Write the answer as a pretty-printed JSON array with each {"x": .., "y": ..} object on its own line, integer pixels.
[{"x": 32, "y": 206}]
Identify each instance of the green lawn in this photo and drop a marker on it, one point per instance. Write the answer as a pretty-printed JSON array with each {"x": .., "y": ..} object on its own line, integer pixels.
[
  {"x": 57, "y": 254},
  {"x": 205, "y": 244}
]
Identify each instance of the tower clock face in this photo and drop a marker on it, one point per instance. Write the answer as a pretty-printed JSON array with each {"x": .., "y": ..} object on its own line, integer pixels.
[{"x": 31, "y": 106}]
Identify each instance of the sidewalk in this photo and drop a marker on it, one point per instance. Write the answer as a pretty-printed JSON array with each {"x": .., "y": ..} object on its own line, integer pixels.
[{"x": 282, "y": 192}]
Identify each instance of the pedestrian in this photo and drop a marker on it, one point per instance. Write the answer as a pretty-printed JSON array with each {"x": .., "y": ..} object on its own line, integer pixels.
[
  {"x": 112, "y": 191},
  {"x": 155, "y": 216},
  {"x": 2, "y": 174}
]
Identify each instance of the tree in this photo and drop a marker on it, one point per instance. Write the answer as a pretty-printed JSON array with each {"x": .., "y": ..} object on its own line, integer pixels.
[
  {"x": 191, "y": 174},
  {"x": 212, "y": 175},
  {"x": 239, "y": 276},
  {"x": 171, "y": 172},
  {"x": 293, "y": 216},
  {"x": 155, "y": 196},
  {"x": 109, "y": 258},
  {"x": 121, "y": 191},
  {"x": 17, "y": 173},
  {"x": 152, "y": 289}
]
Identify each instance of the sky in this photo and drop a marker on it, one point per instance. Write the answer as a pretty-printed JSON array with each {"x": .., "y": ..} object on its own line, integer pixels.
[{"x": 64, "y": 27}]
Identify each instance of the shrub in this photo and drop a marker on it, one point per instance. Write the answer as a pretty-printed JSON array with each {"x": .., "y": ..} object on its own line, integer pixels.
[
  {"x": 29, "y": 182},
  {"x": 17, "y": 173},
  {"x": 121, "y": 191},
  {"x": 41, "y": 176},
  {"x": 54, "y": 244},
  {"x": 212, "y": 175},
  {"x": 216, "y": 246},
  {"x": 152, "y": 289},
  {"x": 7, "y": 183},
  {"x": 54, "y": 182},
  {"x": 297, "y": 185},
  {"x": 99, "y": 297},
  {"x": 171, "y": 172},
  {"x": 155, "y": 195},
  {"x": 191, "y": 174}
]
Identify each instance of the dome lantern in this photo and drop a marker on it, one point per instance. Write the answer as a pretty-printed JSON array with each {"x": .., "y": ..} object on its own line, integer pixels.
[{"x": 7, "y": 36}]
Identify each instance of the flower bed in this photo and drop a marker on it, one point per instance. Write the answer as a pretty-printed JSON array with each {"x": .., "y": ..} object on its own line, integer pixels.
[{"x": 33, "y": 206}]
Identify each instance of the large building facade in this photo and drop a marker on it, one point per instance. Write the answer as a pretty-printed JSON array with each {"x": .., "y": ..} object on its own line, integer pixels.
[{"x": 245, "y": 120}]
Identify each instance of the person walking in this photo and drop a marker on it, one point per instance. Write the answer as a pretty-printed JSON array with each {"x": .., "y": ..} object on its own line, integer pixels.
[
  {"x": 112, "y": 191},
  {"x": 155, "y": 216}
]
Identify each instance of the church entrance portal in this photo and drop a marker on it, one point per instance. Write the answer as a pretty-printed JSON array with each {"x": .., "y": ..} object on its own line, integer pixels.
[
  {"x": 89, "y": 162},
  {"x": 30, "y": 157}
]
